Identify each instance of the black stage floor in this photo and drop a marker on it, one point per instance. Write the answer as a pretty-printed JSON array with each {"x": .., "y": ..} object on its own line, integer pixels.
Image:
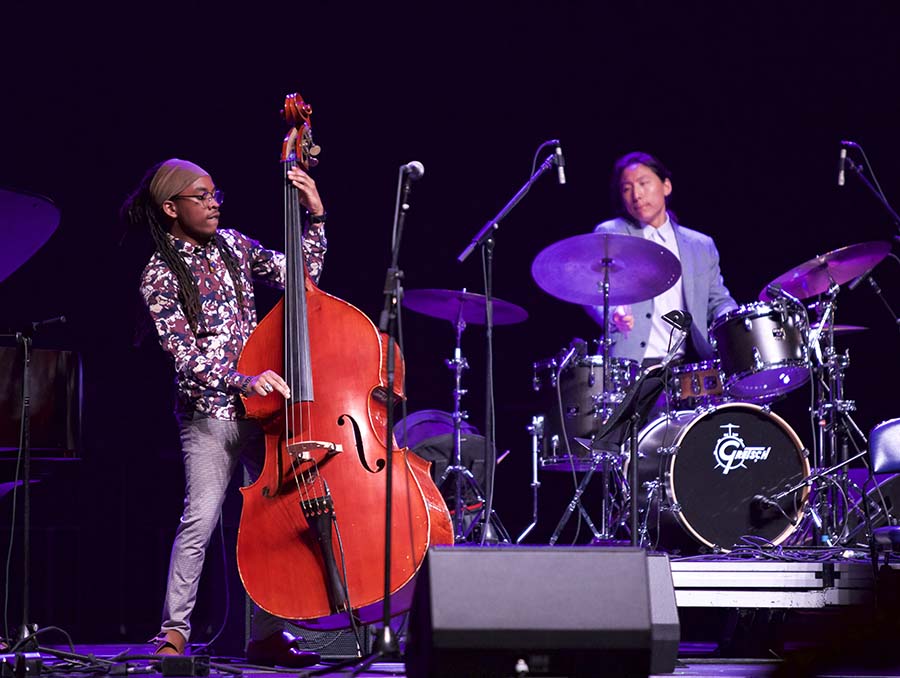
[{"x": 97, "y": 660}]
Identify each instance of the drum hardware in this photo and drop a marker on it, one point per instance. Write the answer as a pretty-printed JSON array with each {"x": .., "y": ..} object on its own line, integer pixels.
[
  {"x": 536, "y": 431},
  {"x": 601, "y": 459},
  {"x": 577, "y": 410},
  {"x": 774, "y": 500},
  {"x": 460, "y": 308},
  {"x": 653, "y": 489},
  {"x": 835, "y": 428}
]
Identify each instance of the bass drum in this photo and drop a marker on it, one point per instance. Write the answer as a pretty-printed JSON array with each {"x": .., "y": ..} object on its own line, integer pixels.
[{"x": 702, "y": 474}]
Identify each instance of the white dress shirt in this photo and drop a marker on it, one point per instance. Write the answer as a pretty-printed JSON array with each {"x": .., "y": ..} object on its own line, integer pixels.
[{"x": 673, "y": 298}]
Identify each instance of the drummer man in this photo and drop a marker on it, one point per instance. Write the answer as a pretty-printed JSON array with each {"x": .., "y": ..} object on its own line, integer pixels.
[{"x": 641, "y": 185}]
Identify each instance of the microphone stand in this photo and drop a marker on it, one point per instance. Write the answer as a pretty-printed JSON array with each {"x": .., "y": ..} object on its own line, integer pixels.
[
  {"x": 858, "y": 170},
  {"x": 484, "y": 237},
  {"x": 26, "y": 640},
  {"x": 877, "y": 290},
  {"x": 386, "y": 644},
  {"x": 488, "y": 229},
  {"x": 775, "y": 498}
]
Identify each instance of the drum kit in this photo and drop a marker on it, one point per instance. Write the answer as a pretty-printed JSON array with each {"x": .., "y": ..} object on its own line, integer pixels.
[{"x": 716, "y": 466}]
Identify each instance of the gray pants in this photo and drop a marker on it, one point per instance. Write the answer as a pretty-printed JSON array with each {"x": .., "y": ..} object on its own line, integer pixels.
[{"x": 211, "y": 449}]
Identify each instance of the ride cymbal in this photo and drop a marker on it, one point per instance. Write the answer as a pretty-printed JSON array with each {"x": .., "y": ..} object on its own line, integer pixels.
[{"x": 573, "y": 269}]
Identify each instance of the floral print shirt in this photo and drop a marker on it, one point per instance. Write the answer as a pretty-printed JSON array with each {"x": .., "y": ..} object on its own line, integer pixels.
[{"x": 206, "y": 377}]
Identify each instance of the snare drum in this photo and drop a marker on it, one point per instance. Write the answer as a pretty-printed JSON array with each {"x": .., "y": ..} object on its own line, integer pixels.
[
  {"x": 578, "y": 392},
  {"x": 763, "y": 349},
  {"x": 696, "y": 385},
  {"x": 707, "y": 470}
]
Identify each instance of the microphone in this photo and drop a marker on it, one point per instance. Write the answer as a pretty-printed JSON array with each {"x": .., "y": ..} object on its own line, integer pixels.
[
  {"x": 560, "y": 164},
  {"x": 763, "y": 501},
  {"x": 856, "y": 282},
  {"x": 841, "y": 163},
  {"x": 775, "y": 290},
  {"x": 414, "y": 170}
]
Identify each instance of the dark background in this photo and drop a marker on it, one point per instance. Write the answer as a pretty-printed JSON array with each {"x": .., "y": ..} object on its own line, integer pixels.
[{"x": 746, "y": 106}]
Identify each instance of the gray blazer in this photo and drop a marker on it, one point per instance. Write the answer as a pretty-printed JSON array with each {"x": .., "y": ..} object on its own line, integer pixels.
[{"x": 705, "y": 294}]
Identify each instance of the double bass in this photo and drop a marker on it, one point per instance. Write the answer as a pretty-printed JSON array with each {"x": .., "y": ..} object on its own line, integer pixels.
[{"x": 311, "y": 540}]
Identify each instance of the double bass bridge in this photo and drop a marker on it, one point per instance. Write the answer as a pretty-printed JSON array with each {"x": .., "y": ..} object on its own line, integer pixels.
[{"x": 301, "y": 452}]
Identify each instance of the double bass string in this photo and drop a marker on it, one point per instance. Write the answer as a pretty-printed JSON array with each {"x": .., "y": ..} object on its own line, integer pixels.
[
  {"x": 297, "y": 367},
  {"x": 291, "y": 340}
]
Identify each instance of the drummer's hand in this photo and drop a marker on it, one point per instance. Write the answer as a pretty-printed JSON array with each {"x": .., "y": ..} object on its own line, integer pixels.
[
  {"x": 267, "y": 382},
  {"x": 309, "y": 194},
  {"x": 623, "y": 319}
]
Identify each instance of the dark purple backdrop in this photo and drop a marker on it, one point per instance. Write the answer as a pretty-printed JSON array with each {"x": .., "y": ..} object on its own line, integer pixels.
[{"x": 746, "y": 107}]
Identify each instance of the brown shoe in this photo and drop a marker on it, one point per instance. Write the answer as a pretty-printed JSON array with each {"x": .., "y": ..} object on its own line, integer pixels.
[
  {"x": 170, "y": 642},
  {"x": 280, "y": 649}
]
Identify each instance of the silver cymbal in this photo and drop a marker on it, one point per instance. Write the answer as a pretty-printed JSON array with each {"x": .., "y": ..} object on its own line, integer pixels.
[{"x": 573, "y": 269}]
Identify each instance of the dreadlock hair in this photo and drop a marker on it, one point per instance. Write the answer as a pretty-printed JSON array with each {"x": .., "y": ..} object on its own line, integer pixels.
[{"x": 140, "y": 211}]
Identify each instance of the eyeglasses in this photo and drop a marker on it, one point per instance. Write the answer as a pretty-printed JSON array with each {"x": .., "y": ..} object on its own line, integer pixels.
[{"x": 206, "y": 197}]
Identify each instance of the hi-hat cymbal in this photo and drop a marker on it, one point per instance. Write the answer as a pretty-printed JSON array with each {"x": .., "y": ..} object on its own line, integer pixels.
[
  {"x": 573, "y": 269},
  {"x": 840, "y": 329},
  {"x": 448, "y": 304},
  {"x": 838, "y": 266},
  {"x": 27, "y": 221}
]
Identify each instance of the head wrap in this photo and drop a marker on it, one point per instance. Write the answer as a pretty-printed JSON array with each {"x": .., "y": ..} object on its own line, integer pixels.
[{"x": 172, "y": 177}]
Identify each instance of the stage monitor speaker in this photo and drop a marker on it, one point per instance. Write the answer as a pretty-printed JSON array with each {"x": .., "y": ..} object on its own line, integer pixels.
[{"x": 561, "y": 611}]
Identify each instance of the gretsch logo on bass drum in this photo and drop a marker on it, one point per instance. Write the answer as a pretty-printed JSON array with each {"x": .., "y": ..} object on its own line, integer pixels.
[{"x": 731, "y": 453}]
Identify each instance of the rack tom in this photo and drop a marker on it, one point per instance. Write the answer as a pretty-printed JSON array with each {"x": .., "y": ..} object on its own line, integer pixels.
[
  {"x": 763, "y": 349},
  {"x": 574, "y": 394}
]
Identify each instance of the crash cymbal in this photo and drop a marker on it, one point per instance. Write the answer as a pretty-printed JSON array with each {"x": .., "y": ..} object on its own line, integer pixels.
[
  {"x": 841, "y": 329},
  {"x": 447, "y": 304},
  {"x": 573, "y": 269},
  {"x": 26, "y": 222},
  {"x": 838, "y": 266}
]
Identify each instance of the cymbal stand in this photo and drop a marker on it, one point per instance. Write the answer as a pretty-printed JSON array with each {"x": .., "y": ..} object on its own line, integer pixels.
[
  {"x": 834, "y": 426},
  {"x": 599, "y": 458},
  {"x": 536, "y": 431},
  {"x": 461, "y": 474},
  {"x": 605, "y": 407}
]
